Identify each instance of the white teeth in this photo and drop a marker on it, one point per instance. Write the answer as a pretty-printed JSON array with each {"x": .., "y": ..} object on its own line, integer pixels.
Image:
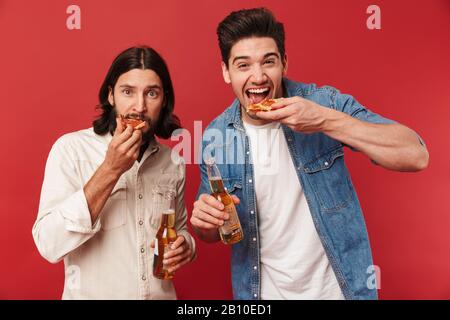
[{"x": 261, "y": 90}]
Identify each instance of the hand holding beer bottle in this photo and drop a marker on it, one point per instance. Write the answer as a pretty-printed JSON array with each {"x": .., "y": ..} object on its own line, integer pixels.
[
  {"x": 215, "y": 215},
  {"x": 165, "y": 237},
  {"x": 171, "y": 251}
]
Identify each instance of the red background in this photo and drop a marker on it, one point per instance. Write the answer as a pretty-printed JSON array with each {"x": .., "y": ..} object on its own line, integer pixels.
[{"x": 50, "y": 77}]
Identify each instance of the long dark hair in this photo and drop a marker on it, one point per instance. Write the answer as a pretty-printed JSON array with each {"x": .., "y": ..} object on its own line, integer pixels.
[{"x": 137, "y": 58}]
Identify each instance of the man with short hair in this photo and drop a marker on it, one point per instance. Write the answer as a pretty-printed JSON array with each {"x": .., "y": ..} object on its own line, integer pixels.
[{"x": 304, "y": 232}]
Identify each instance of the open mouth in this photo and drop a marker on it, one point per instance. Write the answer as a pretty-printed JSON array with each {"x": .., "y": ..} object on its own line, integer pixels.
[{"x": 256, "y": 95}]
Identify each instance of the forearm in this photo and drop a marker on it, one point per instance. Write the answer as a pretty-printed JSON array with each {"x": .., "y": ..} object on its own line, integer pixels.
[
  {"x": 98, "y": 189},
  {"x": 207, "y": 235},
  {"x": 393, "y": 146}
]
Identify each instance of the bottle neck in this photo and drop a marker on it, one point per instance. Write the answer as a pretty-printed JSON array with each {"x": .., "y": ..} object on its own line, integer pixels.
[{"x": 168, "y": 218}]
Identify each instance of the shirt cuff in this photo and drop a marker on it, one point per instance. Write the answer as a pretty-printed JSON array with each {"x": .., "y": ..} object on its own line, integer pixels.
[{"x": 76, "y": 214}]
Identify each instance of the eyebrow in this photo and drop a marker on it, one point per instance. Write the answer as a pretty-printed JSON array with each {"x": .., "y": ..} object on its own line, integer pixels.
[
  {"x": 154, "y": 86},
  {"x": 269, "y": 54}
]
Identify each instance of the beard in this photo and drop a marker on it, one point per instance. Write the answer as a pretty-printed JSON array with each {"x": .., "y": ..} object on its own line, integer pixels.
[{"x": 150, "y": 133}]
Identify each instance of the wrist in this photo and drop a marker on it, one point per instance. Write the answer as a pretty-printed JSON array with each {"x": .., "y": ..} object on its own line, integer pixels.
[
  {"x": 107, "y": 170},
  {"x": 332, "y": 120}
]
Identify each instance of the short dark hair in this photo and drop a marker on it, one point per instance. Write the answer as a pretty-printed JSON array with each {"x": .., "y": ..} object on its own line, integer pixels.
[
  {"x": 142, "y": 57},
  {"x": 257, "y": 22}
]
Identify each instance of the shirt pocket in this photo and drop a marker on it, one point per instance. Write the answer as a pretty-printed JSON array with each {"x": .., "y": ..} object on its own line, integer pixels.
[
  {"x": 115, "y": 210},
  {"x": 232, "y": 185},
  {"x": 160, "y": 203},
  {"x": 329, "y": 179}
]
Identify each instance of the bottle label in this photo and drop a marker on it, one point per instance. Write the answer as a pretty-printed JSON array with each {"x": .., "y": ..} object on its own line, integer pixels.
[
  {"x": 233, "y": 222},
  {"x": 156, "y": 246}
]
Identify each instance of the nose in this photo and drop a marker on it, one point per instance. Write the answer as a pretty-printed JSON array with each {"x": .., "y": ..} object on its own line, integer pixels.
[
  {"x": 140, "y": 106},
  {"x": 258, "y": 76}
]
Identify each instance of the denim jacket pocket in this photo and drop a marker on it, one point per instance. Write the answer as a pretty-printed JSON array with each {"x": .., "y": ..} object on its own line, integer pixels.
[
  {"x": 232, "y": 185},
  {"x": 115, "y": 209},
  {"x": 329, "y": 179}
]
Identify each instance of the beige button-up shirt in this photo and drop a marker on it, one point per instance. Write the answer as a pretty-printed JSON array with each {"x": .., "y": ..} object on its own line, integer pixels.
[{"x": 111, "y": 259}]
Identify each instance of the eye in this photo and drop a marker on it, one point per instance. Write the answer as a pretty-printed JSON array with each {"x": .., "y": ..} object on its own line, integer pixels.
[
  {"x": 152, "y": 94},
  {"x": 126, "y": 91},
  {"x": 271, "y": 61},
  {"x": 242, "y": 65}
]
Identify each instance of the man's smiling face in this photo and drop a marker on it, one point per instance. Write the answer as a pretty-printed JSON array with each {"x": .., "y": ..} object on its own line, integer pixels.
[{"x": 255, "y": 70}]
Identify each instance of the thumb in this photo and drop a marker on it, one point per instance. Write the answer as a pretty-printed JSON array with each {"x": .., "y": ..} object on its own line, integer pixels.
[
  {"x": 119, "y": 126},
  {"x": 152, "y": 244}
]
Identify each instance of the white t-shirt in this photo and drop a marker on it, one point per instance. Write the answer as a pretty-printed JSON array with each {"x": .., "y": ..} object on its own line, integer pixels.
[{"x": 293, "y": 261}]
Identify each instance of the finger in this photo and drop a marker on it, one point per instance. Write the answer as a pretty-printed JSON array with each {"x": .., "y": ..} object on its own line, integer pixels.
[
  {"x": 276, "y": 115},
  {"x": 217, "y": 214},
  {"x": 177, "y": 242},
  {"x": 124, "y": 135},
  {"x": 136, "y": 137},
  {"x": 134, "y": 149},
  {"x": 211, "y": 201},
  {"x": 236, "y": 200},
  {"x": 119, "y": 126},
  {"x": 283, "y": 102},
  {"x": 202, "y": 223},
  {"x": 174, "y": 252},
  {"x": 209, "y": 215},
  {"x": 177, "y": 259},
  {"x": 152, "y": 244},
  {"x": 175, "y": 263},
  {"x": 185, "y": 259}
]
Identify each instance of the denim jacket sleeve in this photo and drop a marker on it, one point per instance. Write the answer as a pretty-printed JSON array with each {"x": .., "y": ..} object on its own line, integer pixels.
[{"x": 348, "y": 104}]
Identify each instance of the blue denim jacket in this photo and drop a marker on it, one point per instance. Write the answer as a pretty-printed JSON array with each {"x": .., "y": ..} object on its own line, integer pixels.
[{"x": 323, "y": 175}]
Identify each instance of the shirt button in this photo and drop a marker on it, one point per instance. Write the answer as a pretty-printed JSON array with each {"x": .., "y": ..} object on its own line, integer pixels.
[
  {"x": 252, "y": 212},
  {"x": 289, "y": 139},
  {"x": 254, "y": 239},
  {"x": 140, "y": 196},
  {"x": 141, "y": 222},
  {"x": 144, "y": 278},
  {"x": 255, "y": 267},
  {"x": 326, "y": 163},
  {"x": 142, "y": 250},
  {"x": 255, "y": 295},
  {"x": 250, "y": 181},
  {"x": 248, "y": 152}
]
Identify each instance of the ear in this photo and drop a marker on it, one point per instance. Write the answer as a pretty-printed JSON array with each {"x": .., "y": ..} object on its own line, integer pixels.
[
  {"x": 225, "y": 73},
  {"x": 110, "y": 97},
  {"x": 285, "y": 64}
]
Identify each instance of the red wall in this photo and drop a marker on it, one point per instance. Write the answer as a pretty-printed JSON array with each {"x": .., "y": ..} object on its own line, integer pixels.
[{"x": 50, "y": 77}]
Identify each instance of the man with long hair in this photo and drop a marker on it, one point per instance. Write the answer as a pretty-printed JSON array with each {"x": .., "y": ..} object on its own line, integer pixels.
[{"x": 104, "y": 189}]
